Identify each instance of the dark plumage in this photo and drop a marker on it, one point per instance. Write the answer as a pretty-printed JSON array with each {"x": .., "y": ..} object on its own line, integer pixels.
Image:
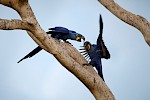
[
  {"x": 58, "y": 33},
  {"x": 96, "y": 51},
  {"x": 32, "y": 53},
  {"x": 64, "y": 34}
]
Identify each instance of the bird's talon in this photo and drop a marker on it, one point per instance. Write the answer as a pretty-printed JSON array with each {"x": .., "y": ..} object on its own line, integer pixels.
[
  {"x": 86, "y": 64},
  {"x": 68, "y": 43}
]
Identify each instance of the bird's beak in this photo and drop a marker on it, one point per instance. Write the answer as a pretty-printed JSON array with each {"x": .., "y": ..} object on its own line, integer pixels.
[{"x": 83, "y": 38}]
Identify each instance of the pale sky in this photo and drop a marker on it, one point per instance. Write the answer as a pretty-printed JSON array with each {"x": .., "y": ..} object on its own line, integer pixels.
[{"x": 43, "y": 78}]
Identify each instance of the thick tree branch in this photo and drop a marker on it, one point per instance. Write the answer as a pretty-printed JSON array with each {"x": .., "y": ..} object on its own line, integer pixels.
[
  {"x": 18, "y": 24},
  {"x": 70, "y": 58},
  {"x": 135, "y": 20},
  {"x": 14, "y": 24}
]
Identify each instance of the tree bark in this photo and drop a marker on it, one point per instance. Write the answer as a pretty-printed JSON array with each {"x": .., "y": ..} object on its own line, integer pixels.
[
  {"x": 70, "y": 58},
  {"x": 136, "y": 21}
]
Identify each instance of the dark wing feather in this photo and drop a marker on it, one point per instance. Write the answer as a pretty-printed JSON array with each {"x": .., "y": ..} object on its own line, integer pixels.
[
  {"x": 60, "y": 30},
  {"x": 32, "y": 53},
  {"x": 105, "y": 53},
  {"x": 52, "y": 32},
  {"x": 100, "y": 43}
]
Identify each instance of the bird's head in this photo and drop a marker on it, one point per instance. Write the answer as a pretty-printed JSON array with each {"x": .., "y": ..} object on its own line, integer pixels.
[
  {"x": 79, "y": 37},
  {"x": 87, "y": 45}
]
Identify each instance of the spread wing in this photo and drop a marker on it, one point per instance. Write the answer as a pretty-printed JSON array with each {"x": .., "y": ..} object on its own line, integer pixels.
[{"x": 100, "y": 43}]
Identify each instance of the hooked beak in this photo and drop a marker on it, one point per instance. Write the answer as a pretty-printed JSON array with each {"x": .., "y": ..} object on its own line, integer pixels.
[
  {"x": 83, "y": 38},
  {"x": 78, "y": 38}
]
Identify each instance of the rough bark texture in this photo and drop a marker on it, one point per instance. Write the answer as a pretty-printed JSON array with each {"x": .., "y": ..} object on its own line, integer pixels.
[
  {"x": 136, "y": 21},
  {"x": 70, "y": 58}
]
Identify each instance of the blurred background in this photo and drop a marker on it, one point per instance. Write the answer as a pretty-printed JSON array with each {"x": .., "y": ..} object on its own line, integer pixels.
[{"x": 43, "y": 78}]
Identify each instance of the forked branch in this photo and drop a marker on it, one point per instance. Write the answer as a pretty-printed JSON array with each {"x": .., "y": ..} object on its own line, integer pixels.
[{"x": 70, "y": 58}]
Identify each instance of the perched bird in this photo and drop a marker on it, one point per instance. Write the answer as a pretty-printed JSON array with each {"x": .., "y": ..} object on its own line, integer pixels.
[
  {"x": 64, "y": 34},
  {"x": 59, "y": 33},
  {"x": 94, "y": 52}
]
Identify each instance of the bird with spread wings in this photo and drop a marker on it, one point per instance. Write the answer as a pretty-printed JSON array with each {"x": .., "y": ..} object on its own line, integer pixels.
[{"x": 95, "y": 52}]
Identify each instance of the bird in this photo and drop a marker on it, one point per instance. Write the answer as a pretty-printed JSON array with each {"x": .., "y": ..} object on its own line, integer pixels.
[
  {"x": 93, "y": 53},
  {"x": 64, "y": 34},
  {"x": 60, "y": 33}
]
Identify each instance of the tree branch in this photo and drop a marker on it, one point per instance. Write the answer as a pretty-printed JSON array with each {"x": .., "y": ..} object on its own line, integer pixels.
[
  {"x": 70, "y": 58},
  {"x": 19, "y": 24},
  {"x": 136, "y": 21},
  {"x": 14, "y": 24}
]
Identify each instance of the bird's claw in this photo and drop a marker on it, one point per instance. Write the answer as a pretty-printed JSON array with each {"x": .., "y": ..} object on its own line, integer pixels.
[
  {"x": 68, "y": 43},
  {"x": 87, "y": 64}
]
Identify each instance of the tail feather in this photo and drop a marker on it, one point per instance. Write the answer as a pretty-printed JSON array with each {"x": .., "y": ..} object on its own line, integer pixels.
[
  {"x": 99, "y": 69},
  {"x": 32, "y": 53}
]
